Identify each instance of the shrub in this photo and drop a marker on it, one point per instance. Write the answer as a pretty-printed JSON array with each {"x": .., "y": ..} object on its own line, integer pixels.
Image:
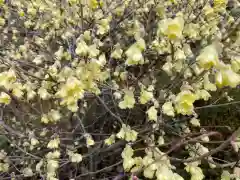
[{"x": 112, "y": 88}]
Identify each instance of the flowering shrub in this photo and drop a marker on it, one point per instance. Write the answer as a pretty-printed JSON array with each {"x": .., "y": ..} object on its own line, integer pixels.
[{"x": 98, "y": 88}]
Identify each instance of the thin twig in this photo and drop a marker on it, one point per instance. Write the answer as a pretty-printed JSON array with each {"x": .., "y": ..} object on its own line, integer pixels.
[
  {"x": 99, "y": 171},
  {"x": 177, "y": 145},
  {"x": 80, "y": 124},
  {"x": 214, "y": 151},
  {"x": 105, "y": 106},
  {"x": 217, "y": 105},
  {"x": 32, "y": 155},
  {"x": 8, "y": 128}
]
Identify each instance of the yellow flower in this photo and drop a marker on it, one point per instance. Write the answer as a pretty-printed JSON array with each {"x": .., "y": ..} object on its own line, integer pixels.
[
  {"x": 127, "y": 152},
  {"x": 31, "y": 10},
  {"x": 93, "y": 51},
  {"x": 45, "y": 119},
  {"x": 160, "y": 140},
  {"x": 208, "y": 85},
  {"x": 31, "y": 94},
  {"x": 220, "y": 5},
  {"x": 5, "y": 98},
  {"x": 203, "y": 94},
  {"x": 50, "y": 176},
  {"x": 101, "y": 60},
  {"x": 128, "y": 100},
  {"x": 82, "y": 48},
  {"x": 74, "y": 157},
  {"x": 184, "y": 108},
  {"x": 179, "y": 55},
  {"x": 232, "y": 78},
  {"x": 141, "y": 44},
  {"x": 17, "y": 90},
  {"x": 227, "y": 77},
  {"x": 134, "y": 56},
  {"x": 177, "y": 176},
  {"x": 235, "y": 64},
  {"x": 7, "y": 78},
  {"x": 4, "y": 167},
  {"x": 184, "y": 102},
  {"x": 72, "y": 106},
  {"x": 38, "y": 166},
  {"x": 138, "y": 161},
  {"x": 53, "y": 144},
  {"x": 167, "y": 67},
  {"x": 168, "y": 109},
  {"x": 53, "y": 155},
  {"x": 87, "y": 35},
  {"x": 93, "y": 4},
  {"x": 123, "y": 76},
  {"x": 3, "y": 155},
  {"x": 225, "y": 175},
  {"x": 219, "y": 79},
  {"x": 111, "y": 140},
  {"x": 121, "y": 133},
  {"x": 172, "y": 28},
  {"x": 197, "y": 70},
  {"x": 127, "y": 133},
  {"x": 34, "y": 141},
  {"x": 134, "y": 53},
  {"x": 164, "y": 173},
  {"x": 195, "y": 122},
  {"x": 128, "y": 163},
  {"x": 208, "y": 11},
  {"x": 70, "y": 92},
  {"x": 89, "y": 140},
  {"x": 145, "y": 96},
  {"x": 54, "y": 115},
  {"x": 208, "y": 57},
  {"x": 59, "y": 53},
  {"x": 117, "y": 53},
  {"x": 196, "y": 172},
  {"x": 178, "y": 65},
  {"x": 119, "y": 11},
  {"x": 160, "y": 10},
  {"x": 103, "y": 26},
  {"x": 52, "y": 165},
  {"x": 152, "y": 113},
  {"x": 43, "y": 93},
  {"x": 192, "y": 30},
  {"x": 117, "y": 95},
  {"x": 27, "y": 172},
  {"x": 131, "y": 135},
  {"x": 187, "y": 73},
  {"x": 2, "y": 21},
  {"x": 148, "y": 173}
]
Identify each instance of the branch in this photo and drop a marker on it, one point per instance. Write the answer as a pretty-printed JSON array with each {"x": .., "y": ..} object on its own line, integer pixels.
[
  {"x": 217, "y": 105},
  {"x": 214, "y": 151},
  {"x": 105, "y": 106},
  {"x": 230, "y": 164},
  {"x": 99, "y": 171},
  {"x": 179, "y": 144}
]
